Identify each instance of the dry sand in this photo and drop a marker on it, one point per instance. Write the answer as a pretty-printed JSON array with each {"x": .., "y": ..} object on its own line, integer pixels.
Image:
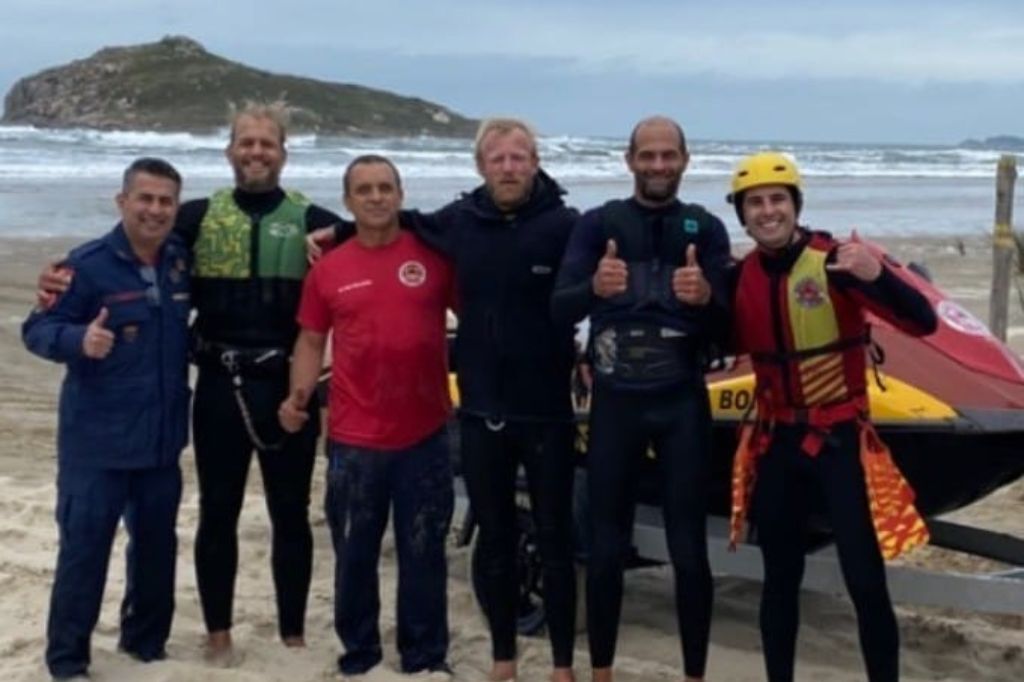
[{"x": 936, "y": 645}]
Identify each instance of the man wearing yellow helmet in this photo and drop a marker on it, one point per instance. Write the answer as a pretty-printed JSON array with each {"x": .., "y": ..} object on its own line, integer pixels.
[{"x": 799, "y": 307}]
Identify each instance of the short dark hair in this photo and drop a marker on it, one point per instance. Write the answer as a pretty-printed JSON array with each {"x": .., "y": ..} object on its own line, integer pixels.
[
  {"x": 365, "y": 160},
  {"x": 150, "y": 165},
  {"x": 656, "y": 119}
]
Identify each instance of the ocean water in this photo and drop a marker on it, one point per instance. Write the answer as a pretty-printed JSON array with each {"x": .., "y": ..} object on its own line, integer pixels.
[{"x": 63, "y": 182}]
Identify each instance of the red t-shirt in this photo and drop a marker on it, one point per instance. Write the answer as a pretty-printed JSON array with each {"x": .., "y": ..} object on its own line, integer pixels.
[{"x": 386, "y": 309}]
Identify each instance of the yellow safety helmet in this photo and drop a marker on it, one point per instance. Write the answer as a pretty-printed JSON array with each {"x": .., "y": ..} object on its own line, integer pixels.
[{"x": 764, "y": 168}]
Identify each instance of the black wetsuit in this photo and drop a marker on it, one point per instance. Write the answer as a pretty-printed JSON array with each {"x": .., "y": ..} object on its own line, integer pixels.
[
  {"x": 664, "y": 405},
  {"x": 513, "y": 365},
  {"x": 249, "y": 314}
]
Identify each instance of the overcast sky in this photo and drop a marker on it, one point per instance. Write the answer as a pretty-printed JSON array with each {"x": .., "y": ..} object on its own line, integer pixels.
[{"x": 869, "y": 71}]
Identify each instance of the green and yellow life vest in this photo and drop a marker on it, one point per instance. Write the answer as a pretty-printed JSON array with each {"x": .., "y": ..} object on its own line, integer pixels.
[{"x": 227, "y": 247}]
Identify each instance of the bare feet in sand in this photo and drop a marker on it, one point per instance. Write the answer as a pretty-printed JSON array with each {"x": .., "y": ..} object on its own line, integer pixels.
[
  {"x": 503, "y": 671},
  {"x": 219, "y": 650},
  {"x": 562, "y": 675}
]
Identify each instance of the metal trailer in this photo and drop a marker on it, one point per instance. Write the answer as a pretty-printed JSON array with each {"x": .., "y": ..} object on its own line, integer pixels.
[{"x": 996, "y": 592}]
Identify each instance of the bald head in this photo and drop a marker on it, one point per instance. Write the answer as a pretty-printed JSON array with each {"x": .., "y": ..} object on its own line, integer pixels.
[
  {"x": 656, "y": 122},
  {"x": 657, "y": 158}
]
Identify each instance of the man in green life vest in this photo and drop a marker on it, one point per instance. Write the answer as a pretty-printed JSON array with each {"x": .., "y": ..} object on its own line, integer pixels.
[{"x": 250, "y": 258}]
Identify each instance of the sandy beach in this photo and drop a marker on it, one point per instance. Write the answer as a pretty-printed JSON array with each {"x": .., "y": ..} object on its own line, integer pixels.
[{"x": 936, "y": 645}]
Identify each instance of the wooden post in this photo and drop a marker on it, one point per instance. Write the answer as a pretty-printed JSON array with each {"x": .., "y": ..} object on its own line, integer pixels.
[{"x": 1003, "y": 246}]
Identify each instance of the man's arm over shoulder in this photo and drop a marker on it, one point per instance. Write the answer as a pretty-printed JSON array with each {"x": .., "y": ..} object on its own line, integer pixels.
[
  {"x": 324, "y": 229},
  {"x": 317, "y": 217},
  {"x": 190, "y": 217},
  {"x": 574, "y": 292},
  {"x": 436, "y": 230}
]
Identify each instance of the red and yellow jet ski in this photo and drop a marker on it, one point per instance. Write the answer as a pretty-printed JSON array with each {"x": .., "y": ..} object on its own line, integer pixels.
[{"x": 950, "y": 405}]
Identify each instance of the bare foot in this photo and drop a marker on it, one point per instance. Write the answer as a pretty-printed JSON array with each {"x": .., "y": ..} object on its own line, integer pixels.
[
  {"x": 601, "y": 674},
  {"x": 218, "y": 640},
  {"x": 503, "y": 671},
  {"x": 220, "y": 651},
  {"x": 294, "y": 642},
  {"x": 562, "y": 675}
]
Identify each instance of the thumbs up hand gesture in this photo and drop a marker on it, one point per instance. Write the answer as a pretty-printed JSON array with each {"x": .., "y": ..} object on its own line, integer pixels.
[
  {"x": 98, "y": 340},
  {"x": 612, "y": 273},
  {"x": 292, "y": 414},
  {"x": 688, "y": 283},
  {"x": 855, "y": 258}
]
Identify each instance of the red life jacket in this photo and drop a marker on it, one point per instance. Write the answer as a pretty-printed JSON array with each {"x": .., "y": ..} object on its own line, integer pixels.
[
  {"x": 805, "y": 338},
  {"x": 806, "y": 341}
]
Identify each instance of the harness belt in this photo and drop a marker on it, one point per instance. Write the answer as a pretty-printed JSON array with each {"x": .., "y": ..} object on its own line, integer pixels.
[
  {"x": 238, "y": 362},
  {"x": 819, "y": 419},
  {"x": 643, "y": 355}
]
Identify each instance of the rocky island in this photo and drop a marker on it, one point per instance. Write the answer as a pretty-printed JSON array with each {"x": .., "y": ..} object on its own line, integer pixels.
[
  {"x": 175, "y": 84},
  {"x": 999, "y": 143}
]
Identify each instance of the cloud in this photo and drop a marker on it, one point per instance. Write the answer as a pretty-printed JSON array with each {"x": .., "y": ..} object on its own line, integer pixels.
[
  {"x": 940, "y": 41},
  {"x": 739, "y": 40}
]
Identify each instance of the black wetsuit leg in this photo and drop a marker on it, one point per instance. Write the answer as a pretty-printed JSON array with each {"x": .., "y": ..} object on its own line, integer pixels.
[
  {"x": 490, "y": 460},
  {"x": 617, "y": 443},
  {"x": 787, "y": 479},
  {"x": 677, "y": 422},
  {"x": 223, "y": 451},
  {"x": 489, "y": 471},
  {"x": 682, "y": 444},
  {"x": 779, "y": 511},
  {"x": 548, "y": 458},
  {"x": 287, "y": 478},
  {"x": 842, "y": 479}
]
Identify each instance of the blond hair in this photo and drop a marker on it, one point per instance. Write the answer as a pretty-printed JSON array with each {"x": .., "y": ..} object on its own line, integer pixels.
[
  {"x": 503, "y": 126},
  {"x": 278, "y": 112}
]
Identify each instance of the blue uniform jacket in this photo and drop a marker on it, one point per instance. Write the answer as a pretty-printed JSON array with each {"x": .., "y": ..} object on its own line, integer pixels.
[{"x": 130, "y": 409}]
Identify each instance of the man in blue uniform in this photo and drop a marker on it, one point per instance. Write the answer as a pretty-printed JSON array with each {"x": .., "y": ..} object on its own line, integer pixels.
[
  {"x": 249, "y": 262},
  {"x": 121, "y": 329}
]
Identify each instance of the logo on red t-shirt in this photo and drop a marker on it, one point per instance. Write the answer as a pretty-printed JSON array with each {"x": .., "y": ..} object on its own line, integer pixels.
[{"x": 412, "y": 273}]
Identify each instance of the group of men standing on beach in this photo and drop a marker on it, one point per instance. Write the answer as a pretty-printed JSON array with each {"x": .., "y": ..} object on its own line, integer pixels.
[{"x": 521, "y": 269}]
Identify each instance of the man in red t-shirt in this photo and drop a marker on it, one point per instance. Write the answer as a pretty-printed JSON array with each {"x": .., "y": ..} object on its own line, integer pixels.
[{"x": 383, "y": 297}]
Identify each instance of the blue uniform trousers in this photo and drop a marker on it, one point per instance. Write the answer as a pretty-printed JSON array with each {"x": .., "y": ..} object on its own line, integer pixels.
[
  {"x": 363, "y": 486},
  {"x": 90, "y": 502}
]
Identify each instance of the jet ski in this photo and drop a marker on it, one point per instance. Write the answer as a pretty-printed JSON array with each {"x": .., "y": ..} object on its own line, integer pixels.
[{"x": 950, "y": 406}]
